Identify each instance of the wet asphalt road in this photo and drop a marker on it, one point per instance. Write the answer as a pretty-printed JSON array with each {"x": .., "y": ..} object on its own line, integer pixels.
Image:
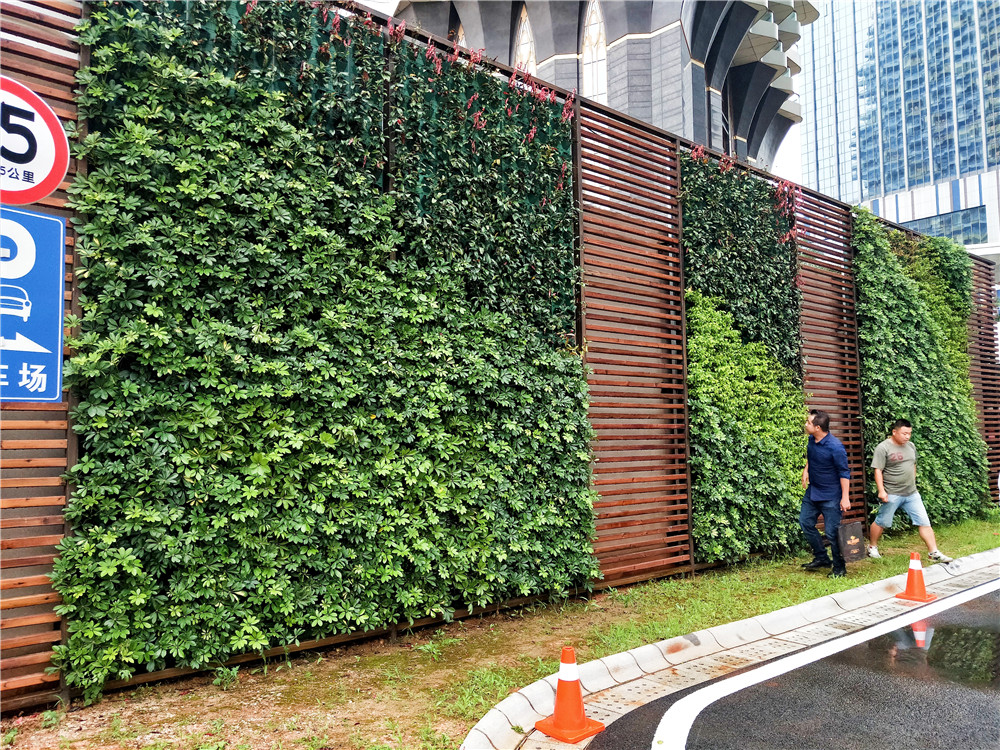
[{"x": 882, "y": 695}]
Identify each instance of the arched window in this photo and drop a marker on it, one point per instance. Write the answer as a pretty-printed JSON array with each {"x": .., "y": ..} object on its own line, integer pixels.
[
  {"x": 460, "y": 36},
  {"x": 595, "y": 55},
  {"x": 524, "y": 46}
]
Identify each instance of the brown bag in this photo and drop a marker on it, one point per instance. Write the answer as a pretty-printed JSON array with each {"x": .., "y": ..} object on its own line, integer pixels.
[{"x": 851, "y": 537}]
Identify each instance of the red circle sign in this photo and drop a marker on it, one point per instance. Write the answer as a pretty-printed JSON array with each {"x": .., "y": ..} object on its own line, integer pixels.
[{"x": 34, "y": 152}]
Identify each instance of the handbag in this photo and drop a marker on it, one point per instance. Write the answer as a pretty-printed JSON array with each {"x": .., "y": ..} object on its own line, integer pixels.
[{"x": 851, "y": 537}]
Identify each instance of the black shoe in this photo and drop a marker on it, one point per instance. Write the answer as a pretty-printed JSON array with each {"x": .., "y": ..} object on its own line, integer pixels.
[
  {"x": 817, "y": 564},
  {"x": 838, "y": 573}
]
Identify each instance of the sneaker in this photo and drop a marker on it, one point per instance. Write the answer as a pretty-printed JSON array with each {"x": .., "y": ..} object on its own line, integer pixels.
[
  {"x": 939, "y": 556},
  {"x": 873, "y": 553}
]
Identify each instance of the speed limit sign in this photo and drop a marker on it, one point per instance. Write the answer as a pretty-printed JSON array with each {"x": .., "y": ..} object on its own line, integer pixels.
[{"x": 34, "y": 152}]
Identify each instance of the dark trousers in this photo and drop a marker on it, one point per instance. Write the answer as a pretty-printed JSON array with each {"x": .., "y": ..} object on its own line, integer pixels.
[{"x": 830, "y": 510}]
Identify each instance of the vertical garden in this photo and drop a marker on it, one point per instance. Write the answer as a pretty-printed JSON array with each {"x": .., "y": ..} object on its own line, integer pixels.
[
  {"x": 327, "y": 282},
  {"x": 745, "y": 400},
  {"x": 325, "y": 369},
  {"x": 914, "y": 303}
]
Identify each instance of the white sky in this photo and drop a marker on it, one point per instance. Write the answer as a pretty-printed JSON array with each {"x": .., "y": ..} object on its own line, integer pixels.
[
  {"x": 382, "y": 6},
  {"x": 788, "y": 160}
]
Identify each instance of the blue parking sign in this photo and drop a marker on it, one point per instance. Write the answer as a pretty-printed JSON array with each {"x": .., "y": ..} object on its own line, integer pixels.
[{"x": 32, "y": 282}]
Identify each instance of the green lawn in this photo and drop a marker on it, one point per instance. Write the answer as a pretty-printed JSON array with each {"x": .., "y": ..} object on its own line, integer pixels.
[{"x": 425, "y": 691}]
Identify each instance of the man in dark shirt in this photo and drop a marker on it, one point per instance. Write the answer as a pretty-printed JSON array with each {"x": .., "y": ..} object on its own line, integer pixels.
[{"x": 826, "y": 480}]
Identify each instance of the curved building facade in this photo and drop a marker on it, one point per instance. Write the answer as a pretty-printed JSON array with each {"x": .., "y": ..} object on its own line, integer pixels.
[{"x": 718, "y": 73}]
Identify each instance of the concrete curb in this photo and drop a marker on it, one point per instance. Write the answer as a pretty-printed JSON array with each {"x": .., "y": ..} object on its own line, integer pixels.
[{"x": 510, "y": 725}]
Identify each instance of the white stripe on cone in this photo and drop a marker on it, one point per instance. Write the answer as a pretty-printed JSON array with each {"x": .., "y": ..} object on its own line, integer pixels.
[
  {"x": 915, "y": 564},
  {"x": 568, "y": 672}
]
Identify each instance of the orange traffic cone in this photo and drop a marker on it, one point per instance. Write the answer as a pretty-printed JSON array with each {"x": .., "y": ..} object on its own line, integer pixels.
[
  {"x": 569, "y": 723},
  {"x": 920, "y": 633},
  {"x": 915, "y": 591}
]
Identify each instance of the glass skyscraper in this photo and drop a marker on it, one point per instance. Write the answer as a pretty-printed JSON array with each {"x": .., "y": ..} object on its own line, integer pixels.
[{"x": 901, "y": 108}]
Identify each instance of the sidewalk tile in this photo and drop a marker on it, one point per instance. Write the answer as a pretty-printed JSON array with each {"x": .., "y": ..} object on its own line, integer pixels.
[
  {"x": 498, "y": 730},
  {"x": 519, "y": 711},
  {"x": 595, "y": 676},
  {"x": 735, "y": 634},
  {"x": 538, "y": 741},
  {"x": 623, "y": 667},
  {"x": 476, "y": 740},
  {"x": 628, "y": 697},
  {"x": 541, "y": 696},
  {"x": 686, "y": 647},
  {"x": 649, "y": 658}
]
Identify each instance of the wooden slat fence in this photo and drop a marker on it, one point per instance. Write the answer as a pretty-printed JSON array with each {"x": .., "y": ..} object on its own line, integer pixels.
[
  {"x": 633, "y": 323},
  {"x": 39, "y": 50}
]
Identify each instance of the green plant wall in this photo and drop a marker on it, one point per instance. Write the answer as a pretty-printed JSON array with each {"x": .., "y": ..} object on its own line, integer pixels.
[
  {"x": 745, "y": 402},
  {"x": 321, "y": 389},
  {"x": 913, "y": 306},
  {"x": 746, "y": 413},
  {"x": 739, "y": 246}
]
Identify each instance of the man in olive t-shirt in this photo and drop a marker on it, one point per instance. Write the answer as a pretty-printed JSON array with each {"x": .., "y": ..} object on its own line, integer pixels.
[{"x": 895, "y": 464}]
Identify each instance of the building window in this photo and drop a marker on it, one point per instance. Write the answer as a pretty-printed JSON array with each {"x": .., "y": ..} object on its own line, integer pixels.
[
  {"x": 966, "y": 227},
  {"x": 595, "y": 55},
  {"x": 460, "y": 36},
  {"x": 524, "y": 46}
]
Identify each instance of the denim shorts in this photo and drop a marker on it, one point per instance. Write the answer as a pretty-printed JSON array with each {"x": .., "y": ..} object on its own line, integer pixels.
[{"x": 913, "y": 506}]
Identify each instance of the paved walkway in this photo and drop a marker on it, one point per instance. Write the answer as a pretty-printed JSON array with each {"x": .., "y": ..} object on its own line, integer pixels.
[{"x": 617, "y": 684}]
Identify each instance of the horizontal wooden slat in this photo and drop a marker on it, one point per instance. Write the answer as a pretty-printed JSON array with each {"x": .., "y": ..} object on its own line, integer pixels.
[
  {"x": 32, "y": 502},
  {"x": 9, "y": 623},
  {"x": 34, "y": 639},
  {"x": 8, "y": 584},
  {"x": 20, "y": 523},
  {"x": 19, "y": 602},
  {"x": 28, "y": 660},
  {"x": 31, "y": 541},
  {"x": 29, "y": 680}
]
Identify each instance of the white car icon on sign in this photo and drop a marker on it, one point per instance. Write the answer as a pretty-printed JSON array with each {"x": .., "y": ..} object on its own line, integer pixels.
[{"x": 14, "y": 301}]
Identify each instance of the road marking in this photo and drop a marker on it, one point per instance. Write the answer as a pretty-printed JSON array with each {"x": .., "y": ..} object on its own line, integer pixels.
[{"x": 675, "y": 725}]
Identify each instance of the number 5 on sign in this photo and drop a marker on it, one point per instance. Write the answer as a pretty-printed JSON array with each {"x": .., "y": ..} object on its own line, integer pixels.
[{"x": 34, "y": 152}]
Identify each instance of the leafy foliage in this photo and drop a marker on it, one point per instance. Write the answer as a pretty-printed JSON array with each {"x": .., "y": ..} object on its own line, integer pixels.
[
  {"x": 739, "y": 246},
  {"x": 943, "y": 272},
  {"x": 911, "y": 365},
  {"x": 746, "y": 412},
  {"x": 308, "y": 404}
]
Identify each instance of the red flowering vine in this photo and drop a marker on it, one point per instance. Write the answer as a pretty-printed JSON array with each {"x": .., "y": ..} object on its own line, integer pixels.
[
  {"x": 787, "y": 196},
  {"x": 396, "y": 33},
  {"x": 568, "y": 111}
]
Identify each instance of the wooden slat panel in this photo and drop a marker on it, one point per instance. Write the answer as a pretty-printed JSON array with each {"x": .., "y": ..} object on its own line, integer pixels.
[
  {"x": 828, "y": 328},
  {"x": 984, "y": 369},
  {"x": 633, "y": 322}
]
